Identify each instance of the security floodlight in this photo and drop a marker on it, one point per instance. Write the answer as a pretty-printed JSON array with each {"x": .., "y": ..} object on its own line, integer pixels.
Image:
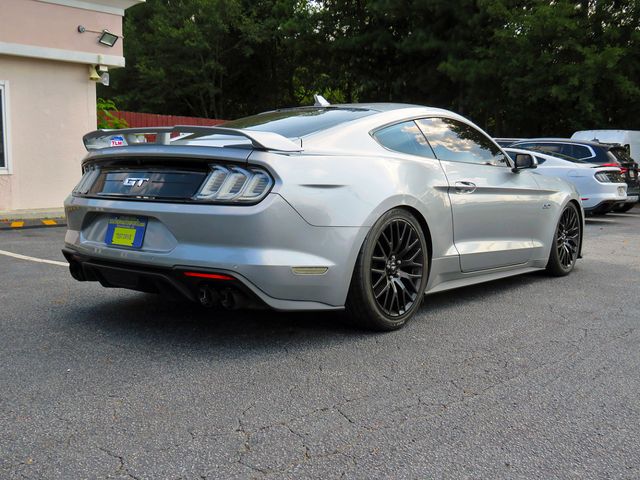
[{"x": 108, "y": 39}]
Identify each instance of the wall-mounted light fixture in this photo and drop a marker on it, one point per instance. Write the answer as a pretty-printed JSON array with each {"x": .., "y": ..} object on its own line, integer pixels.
[
  {"x": 102, "y": 77},
  {"x": 106, "y": 37}
]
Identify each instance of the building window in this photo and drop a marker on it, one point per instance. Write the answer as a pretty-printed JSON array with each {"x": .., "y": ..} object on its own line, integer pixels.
[{"x": 4, "y": 150}]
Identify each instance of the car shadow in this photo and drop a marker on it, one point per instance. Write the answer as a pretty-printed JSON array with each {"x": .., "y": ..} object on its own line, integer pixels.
[
  {"x": 140, "y": 320},
  {"x": 600, "y": 221}
]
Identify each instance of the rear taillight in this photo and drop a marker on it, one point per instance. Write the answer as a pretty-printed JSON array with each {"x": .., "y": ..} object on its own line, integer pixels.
[
  {"x": 623, "y": 170},
  {"x": 610, "y": 176},
  {"x": 85, "y": 183},
  {"x": 227, "y": 184}
]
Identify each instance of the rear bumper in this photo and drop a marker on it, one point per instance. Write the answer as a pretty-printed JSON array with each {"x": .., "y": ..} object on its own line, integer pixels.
[
  {"x": 257, "y": 245},
  {"x": 602, "y": 196},
  {"x": 604, "y": 206},
  {"x": 174, "y": 283}
]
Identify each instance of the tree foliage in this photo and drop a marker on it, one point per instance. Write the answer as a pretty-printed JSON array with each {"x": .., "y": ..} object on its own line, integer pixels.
[
  {"x": 516, "y": 67},
  {"x": 106, "y": 118}
]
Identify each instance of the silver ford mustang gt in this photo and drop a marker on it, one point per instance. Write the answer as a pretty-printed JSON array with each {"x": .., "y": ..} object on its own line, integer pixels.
[{"x": 365, "y": 207}]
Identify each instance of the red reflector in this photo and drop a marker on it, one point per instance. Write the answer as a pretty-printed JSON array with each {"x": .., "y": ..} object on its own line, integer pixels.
[
  {"x": 212, "y": 276},
  {"x": 584, "y": 199}
]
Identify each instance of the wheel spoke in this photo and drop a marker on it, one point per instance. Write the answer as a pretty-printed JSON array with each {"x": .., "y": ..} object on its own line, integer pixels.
[
  {"x": 378, "y": 282},
  {"x": 389, "y": 242}
]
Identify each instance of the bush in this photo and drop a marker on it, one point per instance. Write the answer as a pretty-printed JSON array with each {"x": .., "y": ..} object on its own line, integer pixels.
[{"x": 106, "y": 119}]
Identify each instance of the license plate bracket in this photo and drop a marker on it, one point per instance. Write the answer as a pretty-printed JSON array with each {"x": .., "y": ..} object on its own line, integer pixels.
[{"x": 126, "y": 231}]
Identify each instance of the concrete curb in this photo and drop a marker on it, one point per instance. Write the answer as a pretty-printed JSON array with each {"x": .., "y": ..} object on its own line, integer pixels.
[
  {"x": 20, "y": 224},
  {"x": 36, "y": 213},
  {"x": 36, "y": 218}
]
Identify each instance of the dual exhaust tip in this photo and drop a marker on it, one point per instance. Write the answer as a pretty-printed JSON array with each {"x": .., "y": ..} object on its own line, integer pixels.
[{"x": 228, "y": 297}]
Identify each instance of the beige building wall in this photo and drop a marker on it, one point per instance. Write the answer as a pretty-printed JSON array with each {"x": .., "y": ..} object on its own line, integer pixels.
[
  {"x": 51, "y": 104},
  {"x": 44, "y": 74},
  {"x": 34, "y": 23}
]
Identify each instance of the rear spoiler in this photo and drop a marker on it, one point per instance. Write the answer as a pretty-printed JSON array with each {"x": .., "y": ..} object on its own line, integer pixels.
[{"x": 100, "y": 139}]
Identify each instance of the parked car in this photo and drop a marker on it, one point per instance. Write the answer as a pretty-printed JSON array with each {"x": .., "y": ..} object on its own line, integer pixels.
[
  {"x": 630, "y": 139},
  {"x": 600, "y": 188},
  {"x": 596, "y": 153},
  {"x": 363, "y": 207},
  {"x": 505, "y": 142}
]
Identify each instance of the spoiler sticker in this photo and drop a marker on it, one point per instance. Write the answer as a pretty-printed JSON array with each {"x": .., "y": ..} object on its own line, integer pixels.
[{"x": 117, "y": 141}]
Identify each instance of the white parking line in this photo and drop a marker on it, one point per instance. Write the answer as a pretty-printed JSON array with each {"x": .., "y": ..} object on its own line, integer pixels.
[{"x": 33, "y": 259}]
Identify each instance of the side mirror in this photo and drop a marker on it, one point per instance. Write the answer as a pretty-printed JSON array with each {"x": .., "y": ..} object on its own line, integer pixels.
[{"x": 523, "y": 161}]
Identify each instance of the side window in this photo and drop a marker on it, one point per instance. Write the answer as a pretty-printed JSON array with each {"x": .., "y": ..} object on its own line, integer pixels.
[
  {"x": 543, "y": 147},
  {"x": 455, "y": 141},
  {"x": 567, "y": 150},
  {"x": 404, "y": 137},
  {"x": 580, "y": 151}
]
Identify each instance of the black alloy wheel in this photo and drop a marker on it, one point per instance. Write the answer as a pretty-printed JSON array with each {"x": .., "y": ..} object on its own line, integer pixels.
[
  {"x": 567, "y": 238},
  {"x": 397, "y": 268},
  {"x": 390, "y": 274}
]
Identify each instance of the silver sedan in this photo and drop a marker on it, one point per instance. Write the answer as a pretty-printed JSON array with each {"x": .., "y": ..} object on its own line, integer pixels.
[{"x": 363, "y": 207}]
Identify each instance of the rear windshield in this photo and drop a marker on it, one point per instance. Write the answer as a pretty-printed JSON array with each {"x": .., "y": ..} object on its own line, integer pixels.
[{"x": 300, "y": 121}]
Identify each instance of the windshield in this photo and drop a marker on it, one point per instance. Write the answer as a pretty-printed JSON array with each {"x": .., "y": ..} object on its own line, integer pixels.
[{"x": 298, "y": 122}]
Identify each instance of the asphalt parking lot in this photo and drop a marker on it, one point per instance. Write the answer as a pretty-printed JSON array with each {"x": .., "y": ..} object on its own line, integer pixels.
[{"x": 526, "y": 377}]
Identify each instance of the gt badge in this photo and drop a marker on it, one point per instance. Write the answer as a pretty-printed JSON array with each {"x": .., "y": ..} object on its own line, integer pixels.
[{"x": 132, "y": 181}]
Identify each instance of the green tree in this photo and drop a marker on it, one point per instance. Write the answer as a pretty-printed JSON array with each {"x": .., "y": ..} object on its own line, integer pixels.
[{"x": 516, "y": 67}]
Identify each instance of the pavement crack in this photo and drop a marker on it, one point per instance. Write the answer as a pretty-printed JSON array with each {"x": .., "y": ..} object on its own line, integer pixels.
[
  {"x": 339, "y": 410},
  {"x": 253, "y": 467},
  {"x": 307, "y": 455},
  {"x": 122, "y": 467}
]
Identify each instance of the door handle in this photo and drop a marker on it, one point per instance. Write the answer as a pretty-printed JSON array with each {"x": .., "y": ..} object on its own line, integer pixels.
[{"x": 465, "y": 187}]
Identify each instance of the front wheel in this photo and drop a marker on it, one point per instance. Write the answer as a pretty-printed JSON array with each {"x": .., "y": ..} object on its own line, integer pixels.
[
  {"x": 566, "y": 242},
  {"x": 390, "y": 275}
]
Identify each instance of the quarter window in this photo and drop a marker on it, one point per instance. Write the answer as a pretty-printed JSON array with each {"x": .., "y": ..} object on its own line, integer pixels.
[
  {"x": 455, "y": 141},
  {"x": 404, "y": 137},
  {"x": 580, "y": 151}
]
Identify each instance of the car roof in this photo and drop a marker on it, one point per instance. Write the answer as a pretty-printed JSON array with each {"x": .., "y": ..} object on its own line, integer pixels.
[
  {"x": 590, "y": 143},
  {"x": 375, "y": 106},
  {"x": 382, "y": 113}
]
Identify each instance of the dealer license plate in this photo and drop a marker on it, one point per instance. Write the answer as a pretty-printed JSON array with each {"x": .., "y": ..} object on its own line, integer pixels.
[{"x": 125, "y": 231}]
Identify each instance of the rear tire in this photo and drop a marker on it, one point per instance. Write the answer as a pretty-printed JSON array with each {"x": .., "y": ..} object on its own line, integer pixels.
[
  {"x": 391, "y": 273},
  {"x": 566, "y": 242}
]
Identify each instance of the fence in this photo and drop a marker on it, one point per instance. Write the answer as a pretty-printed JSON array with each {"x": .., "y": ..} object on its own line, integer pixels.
[{"x": 135, "y": 119}]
